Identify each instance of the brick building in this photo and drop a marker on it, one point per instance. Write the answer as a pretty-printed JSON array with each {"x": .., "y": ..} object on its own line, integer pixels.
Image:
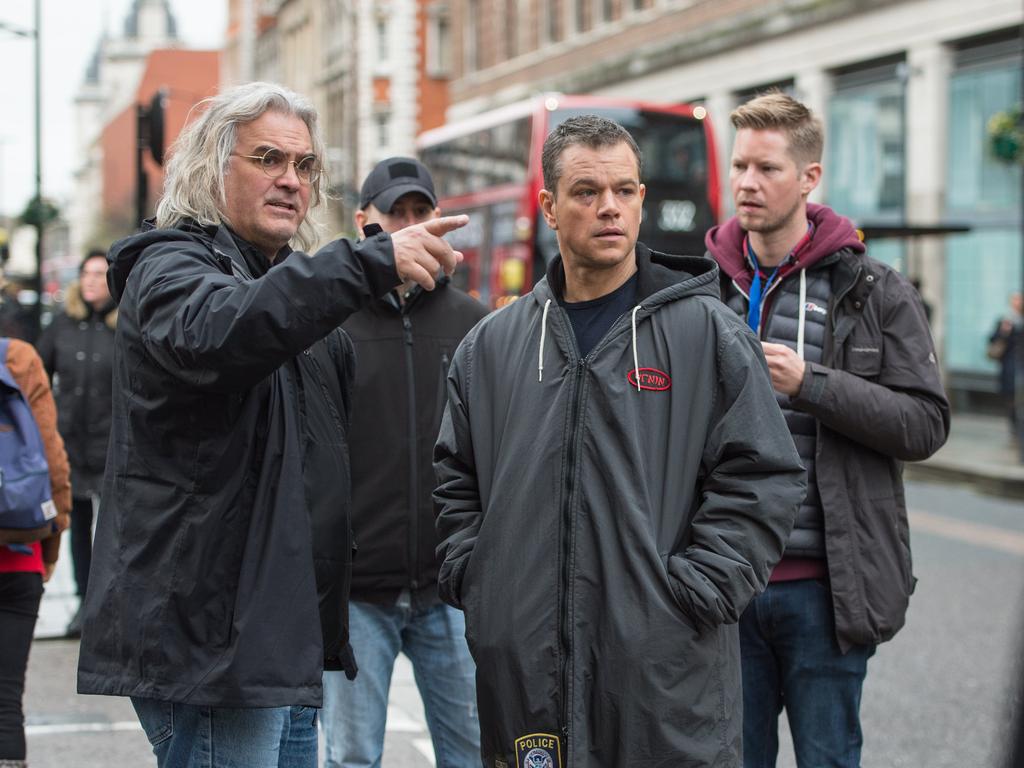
[{"x": 372, "y": 68}]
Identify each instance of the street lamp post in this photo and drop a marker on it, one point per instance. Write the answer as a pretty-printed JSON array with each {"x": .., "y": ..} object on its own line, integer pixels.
[
  {"x": 40, "y": 222},
  {"x": 35, "y": 34}
]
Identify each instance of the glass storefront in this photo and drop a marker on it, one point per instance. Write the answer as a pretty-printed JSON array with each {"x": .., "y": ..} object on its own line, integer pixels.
[
  {"x": 864, "y": 151},
  {"x": 983, "y": 267}
]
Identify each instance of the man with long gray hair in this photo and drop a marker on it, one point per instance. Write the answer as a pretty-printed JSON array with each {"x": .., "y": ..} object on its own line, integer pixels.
[{"x": 219, "y": 584}]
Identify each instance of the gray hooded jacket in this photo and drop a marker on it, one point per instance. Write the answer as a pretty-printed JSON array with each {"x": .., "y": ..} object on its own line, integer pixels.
[{"x": 603, "y": 529}]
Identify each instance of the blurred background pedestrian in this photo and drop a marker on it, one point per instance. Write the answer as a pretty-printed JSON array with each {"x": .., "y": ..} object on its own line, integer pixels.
[
  {"x": 24, "y": 569},
  {"x": 1002, "y": 347},
  {"x": 77, "y": 350}
]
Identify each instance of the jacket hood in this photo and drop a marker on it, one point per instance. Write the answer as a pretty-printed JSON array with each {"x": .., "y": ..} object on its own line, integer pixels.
[
  {"x": 661, "y": 278},
  {"x": 125, "y": 253},
  {"x": 676, "y": 276},
  {"x": 76, "y": 308},
  {"x": 832, "y": 233}
]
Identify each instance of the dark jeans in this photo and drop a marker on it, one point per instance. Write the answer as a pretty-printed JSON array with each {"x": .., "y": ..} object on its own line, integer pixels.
[
  {"x": 81, "y": 541},
  {"x": 791, "y": 659},
  {"x": 19, "y": 607}
]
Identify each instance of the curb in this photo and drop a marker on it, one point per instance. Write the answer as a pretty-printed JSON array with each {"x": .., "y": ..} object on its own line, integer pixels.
[{"x": 995, "y": 481}]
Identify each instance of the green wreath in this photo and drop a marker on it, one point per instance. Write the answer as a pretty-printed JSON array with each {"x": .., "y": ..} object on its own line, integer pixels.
[{"x": 1006, "y": 135}]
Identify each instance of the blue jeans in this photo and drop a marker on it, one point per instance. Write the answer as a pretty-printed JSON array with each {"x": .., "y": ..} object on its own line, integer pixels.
[
  {"x": 791, "y": 659},
  {"x": 188, "y": 736},
  {"x": 355, "y": 711}
]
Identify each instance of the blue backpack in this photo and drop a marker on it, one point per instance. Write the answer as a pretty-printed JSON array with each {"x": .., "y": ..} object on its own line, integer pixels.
[{"x": 27, "y": 511}]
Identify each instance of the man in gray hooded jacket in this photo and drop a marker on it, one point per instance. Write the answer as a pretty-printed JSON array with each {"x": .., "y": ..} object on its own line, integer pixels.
[{"x": 616, "y": 483}]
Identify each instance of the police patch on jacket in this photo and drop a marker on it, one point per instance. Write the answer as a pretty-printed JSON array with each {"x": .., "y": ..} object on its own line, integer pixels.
[{"x": 538, "y": 750}]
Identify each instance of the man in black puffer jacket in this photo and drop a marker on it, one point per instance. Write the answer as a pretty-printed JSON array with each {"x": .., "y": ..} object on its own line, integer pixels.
[{"x": 854, "y": 369}]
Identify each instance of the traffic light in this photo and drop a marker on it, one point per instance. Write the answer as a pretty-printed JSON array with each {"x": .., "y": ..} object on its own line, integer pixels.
[
  {"x": 154, "y": 117},
  {"x": 149, "y": 128}
]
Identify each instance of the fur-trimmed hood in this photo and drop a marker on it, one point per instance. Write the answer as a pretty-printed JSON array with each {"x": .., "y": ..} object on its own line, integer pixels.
[{"x": 76, "y": 308}]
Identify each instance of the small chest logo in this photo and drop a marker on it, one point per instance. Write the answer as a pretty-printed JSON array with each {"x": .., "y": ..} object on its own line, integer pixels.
[
  {"x": 538, "y": 750},
  {"x": 649, "y": 378},
  {"x": 810, "y": 306}
]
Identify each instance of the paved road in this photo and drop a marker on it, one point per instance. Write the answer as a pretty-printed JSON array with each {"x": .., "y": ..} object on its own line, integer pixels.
[{"x": 936, "y": 696}]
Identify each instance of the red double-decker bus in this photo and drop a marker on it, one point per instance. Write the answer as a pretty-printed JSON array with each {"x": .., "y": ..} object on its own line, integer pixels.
[{"x": 489, "y": 167}]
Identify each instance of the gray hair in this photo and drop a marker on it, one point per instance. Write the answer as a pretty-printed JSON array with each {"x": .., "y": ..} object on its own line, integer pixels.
[
  {"x": 194, "y": 183},
  {"x": 587, "y": 130}
]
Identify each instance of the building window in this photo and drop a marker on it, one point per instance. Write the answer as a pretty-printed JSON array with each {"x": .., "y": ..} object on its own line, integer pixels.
[
  {"x": 984, "y": 193},
  {"x": 383, "y": 121},
  {"x": 553, "y": 21},
  {"x": 511, "y": 22},
  {"x": 865, "y": 150},
  {"x": 581, "y": 14},
  {"x": 382, "y": 39},
  {"x": 470, "y": 37},
  {"x": 439, "y": 41}
]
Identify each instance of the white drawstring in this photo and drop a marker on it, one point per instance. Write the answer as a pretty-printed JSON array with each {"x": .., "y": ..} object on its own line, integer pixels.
[
  {"x": 802, "y": 315},
  {"x": 543, "y": 333},
  {"x": 636, "y": 358}
]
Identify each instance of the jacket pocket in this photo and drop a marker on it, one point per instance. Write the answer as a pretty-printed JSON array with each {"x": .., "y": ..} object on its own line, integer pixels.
[
  {"x": 675, "y": 589},
  {"x": 864, "y": 358}
]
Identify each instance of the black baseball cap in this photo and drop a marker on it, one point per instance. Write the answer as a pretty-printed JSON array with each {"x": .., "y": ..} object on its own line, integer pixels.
[{"x": 392, "y": 178}]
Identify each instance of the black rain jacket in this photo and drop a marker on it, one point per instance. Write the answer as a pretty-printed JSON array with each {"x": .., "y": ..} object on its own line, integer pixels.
[
  {"x": 398, "y": 397},
  {"x": 221, "y": 561},
  {"x": 603, "y": 540},
  {"x": 77, "y": 350}
]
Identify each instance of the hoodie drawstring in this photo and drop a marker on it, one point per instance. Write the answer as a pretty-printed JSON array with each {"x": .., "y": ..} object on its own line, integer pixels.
[
  {"x": 636, "y": 357},
  {"x": 543, "y": 335},
  {"x": 802, "y": 315}
]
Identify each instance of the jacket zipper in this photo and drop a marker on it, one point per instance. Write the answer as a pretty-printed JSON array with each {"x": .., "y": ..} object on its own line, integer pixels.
[
  {"x": 412, "y": 437},
  {"x": 565, "y": 629}
]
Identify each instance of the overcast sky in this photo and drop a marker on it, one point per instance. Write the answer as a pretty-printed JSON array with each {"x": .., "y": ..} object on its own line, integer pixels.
[{"x": 71, "y": 30}]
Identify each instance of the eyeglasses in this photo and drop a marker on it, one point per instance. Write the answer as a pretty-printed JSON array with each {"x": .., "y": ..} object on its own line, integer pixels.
[{"x": 275, "y": 164}]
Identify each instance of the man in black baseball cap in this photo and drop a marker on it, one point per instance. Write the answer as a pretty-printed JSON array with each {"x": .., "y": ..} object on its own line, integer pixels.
[
  {"x": 392, "y": 180},
  {"x": 403, "y": 342}
]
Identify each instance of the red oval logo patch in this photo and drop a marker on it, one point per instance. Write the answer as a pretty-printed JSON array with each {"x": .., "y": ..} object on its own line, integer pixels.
[{"x": 649, "y": 378}]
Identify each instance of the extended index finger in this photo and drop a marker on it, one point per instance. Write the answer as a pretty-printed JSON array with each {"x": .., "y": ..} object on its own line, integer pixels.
[{"x": 445, "y": 224}]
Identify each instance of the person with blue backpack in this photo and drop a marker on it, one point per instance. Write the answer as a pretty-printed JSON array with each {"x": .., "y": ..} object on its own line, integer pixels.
[{"x": 35, "y": 506}]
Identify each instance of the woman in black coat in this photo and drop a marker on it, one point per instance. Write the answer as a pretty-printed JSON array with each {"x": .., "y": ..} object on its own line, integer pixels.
[{"x": 77, "y": 350}]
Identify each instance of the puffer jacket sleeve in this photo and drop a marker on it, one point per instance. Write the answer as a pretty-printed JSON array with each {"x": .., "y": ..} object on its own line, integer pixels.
[
  {"x": 903, "y": 412},
  {"x": 753, "y": 483},
  {"x": 457, "y": 495},
  {"x": 27, "y": 369},
  {"x": 214, "y": 331}
]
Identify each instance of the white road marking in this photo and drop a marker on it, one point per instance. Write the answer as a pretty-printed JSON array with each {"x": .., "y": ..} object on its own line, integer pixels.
[
  {"x": 426, "y": 748},
  {"x": 47, "y": 729},
  {"x": 982, "y": 535},
  {"x": 398, "y": 722}
]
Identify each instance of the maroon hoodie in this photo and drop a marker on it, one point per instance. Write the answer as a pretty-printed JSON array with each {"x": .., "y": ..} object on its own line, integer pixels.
[{"x": 831, "y": 233}]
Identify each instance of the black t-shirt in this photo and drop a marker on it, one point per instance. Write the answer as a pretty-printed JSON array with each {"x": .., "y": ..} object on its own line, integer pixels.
[{"x": 592, "y": 319}]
